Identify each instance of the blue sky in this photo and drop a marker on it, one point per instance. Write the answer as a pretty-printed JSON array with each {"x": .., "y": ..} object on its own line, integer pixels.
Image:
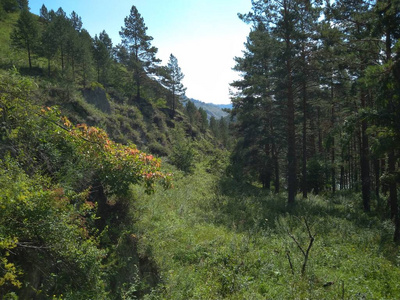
[{"x": 204, "y": 35}]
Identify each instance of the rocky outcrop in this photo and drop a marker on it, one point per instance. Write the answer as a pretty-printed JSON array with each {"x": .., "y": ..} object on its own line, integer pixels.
[{"x": 98, "y": 97}]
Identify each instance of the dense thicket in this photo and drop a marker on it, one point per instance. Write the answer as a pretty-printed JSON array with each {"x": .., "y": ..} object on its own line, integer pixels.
[
  {"x": 319, "y": 93},
  {"x": 57, "y": 181}
]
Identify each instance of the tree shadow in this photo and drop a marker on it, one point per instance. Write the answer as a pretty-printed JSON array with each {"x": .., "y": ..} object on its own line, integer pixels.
[{"x": 246, "y": 208}]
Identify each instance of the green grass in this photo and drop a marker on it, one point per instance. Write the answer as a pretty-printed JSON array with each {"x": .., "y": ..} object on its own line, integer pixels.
[
  {"x": 214, "y": 239},
  {"x": 9, "y": 55}
]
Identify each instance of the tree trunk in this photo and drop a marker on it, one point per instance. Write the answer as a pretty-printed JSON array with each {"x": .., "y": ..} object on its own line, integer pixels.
[
  {"x": 304, "y": 160},
  {"x": 392, "y": 186},
  {"x": 333, "y": 167},
  {"x": 292, "y": 168},
  {"x": 267, "y": 168},
  {"x": 291, "y": 154},
  {"x": 275, "y": 161},
  {"x": 305, "y": 117},
  {"x": 320, "y": 149},
  {"x": 312, "y": 149},
  {"x": 276, "y": 169},
  {"x": 385, "y": 187},
  {"x": 394, "y": 208},
  {"x": 377, "y": 172},
  {"x": 342, "y": 178},
  {"x": 173, "y": 101},
  {"x": 364, "y": 162}
]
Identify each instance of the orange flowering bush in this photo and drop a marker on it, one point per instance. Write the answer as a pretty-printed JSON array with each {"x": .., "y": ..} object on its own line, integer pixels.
[
  {"x": 51, "y": 172},
  {"x": 116, "y": 165}
]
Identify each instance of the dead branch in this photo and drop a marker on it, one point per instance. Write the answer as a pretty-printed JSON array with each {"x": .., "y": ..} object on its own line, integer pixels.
[{"x": 306, "y": 252}]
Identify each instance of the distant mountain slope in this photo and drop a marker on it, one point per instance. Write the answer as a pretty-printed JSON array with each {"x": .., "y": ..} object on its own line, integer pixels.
[{"x": 213, "y": 110}]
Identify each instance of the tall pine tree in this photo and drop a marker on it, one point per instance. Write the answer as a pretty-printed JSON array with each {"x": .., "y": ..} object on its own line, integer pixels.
[
  {"x": 173, "y": 81},
  {"x": 26, "y": 33},
  {"x": 142, "y": 54}
]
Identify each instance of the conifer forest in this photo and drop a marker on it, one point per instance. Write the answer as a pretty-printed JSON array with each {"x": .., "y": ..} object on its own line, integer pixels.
[{"x": 115, "y": 185}]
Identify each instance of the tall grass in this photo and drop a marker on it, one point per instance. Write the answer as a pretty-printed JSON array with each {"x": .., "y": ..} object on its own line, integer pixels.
[{"x": 213, "y": 238}]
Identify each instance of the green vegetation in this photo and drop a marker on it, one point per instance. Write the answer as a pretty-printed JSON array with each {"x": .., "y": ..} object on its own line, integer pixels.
[
  {"x": 213, "y": 238},
  {"x": 318, "y": 99},
  {"x": 61, "y": 187},
  {"x": 86, "y": 214}
]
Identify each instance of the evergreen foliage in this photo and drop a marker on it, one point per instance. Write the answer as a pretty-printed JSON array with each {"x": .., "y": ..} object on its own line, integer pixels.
[
  {"x": 141, "y": 54},
  {"x": 310, "y": 65},
  {"x": 25, "y": 34},
  {"x": 102, "y": 53},
  {"x": 173, "y": 81}
]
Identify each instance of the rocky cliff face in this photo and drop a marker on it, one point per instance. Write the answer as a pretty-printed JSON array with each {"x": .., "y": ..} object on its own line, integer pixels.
[{"x": 98, "y": 97}]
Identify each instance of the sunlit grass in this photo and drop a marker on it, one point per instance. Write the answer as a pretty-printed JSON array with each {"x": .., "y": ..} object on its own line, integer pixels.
[
  {"x": 9, "y": 55},
  {"x": 213, "y": 243}
]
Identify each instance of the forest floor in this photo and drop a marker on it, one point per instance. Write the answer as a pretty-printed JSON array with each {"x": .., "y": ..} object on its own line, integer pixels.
[{"x": 213, "y": 238}]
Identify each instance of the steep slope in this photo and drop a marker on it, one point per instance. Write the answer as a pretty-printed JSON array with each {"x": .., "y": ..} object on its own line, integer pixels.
[
  {"x": 213, "y": 110},
  {"x": 147, "y": 122}
]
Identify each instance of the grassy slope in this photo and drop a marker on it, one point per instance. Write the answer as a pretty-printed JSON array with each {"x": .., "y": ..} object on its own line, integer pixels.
[
  {"x": 211, "y": 109},
  {"x": 214, "y": 240},
  {"x": 147, "y": 125},
  {"x": 10, "y": 56}
]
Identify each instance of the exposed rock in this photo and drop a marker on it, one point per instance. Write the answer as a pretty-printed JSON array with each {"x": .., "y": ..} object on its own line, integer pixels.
[{"x": 98, "y": 97}]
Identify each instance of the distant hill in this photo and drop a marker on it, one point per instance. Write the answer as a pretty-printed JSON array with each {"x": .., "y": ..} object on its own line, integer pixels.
[
  {"x": 222, "y": 106},
  {"x": 213, "y": 110}
]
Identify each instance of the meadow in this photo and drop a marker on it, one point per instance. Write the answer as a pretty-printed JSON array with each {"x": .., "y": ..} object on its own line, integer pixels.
[{"x": 213, "y": 238}]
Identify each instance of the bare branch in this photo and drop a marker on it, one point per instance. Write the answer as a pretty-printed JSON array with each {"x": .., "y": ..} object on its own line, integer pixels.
[{"x": 290, "y": 262}]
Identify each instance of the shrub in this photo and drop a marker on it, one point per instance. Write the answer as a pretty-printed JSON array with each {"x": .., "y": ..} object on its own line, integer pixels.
[
  {"x": 51, "y": 172},
  {"x": 183, "y": 153}
]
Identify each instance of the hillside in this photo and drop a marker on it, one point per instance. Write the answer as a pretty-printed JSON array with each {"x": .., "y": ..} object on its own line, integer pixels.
[
  {"x": 213, "y": 110},
  {"x": 144, "y": 121},
  {"x": 72, "y": 144}
]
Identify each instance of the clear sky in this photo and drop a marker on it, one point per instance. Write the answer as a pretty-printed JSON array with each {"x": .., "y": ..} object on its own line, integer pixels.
[{"x": 204, "y": 35}]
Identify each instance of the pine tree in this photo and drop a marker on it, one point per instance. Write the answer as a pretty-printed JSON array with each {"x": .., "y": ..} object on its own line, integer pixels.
[
  {"x": 254, "y": 108},
  {"x": 203, "y": 120},
  {"x": 384, "y": 79},
  {"x": 191, "y": 111},
  {"x": 48, "y": 45},
  {"x": 356, "y": 24},
  {"x": 282, "y": 21},
  {"x": 76, "y": 21},
  {"x": 138, "y": 43},
  {"x": 102, "y": 50},
  {"x": 309, "y": 13},
  {"x": 214, "y": 126},
  {"x": 61, "y": 28},
  {"x": 44, "y": 14},
  {"x": 74, "y": 45},
  {"x": 25, "y": 34},
  {"x": 173, "y": 81},
  {"x": 85, "y": 57}
]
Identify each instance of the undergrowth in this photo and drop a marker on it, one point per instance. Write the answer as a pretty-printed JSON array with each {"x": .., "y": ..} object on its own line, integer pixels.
[{"x": 213, "y": 239}]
